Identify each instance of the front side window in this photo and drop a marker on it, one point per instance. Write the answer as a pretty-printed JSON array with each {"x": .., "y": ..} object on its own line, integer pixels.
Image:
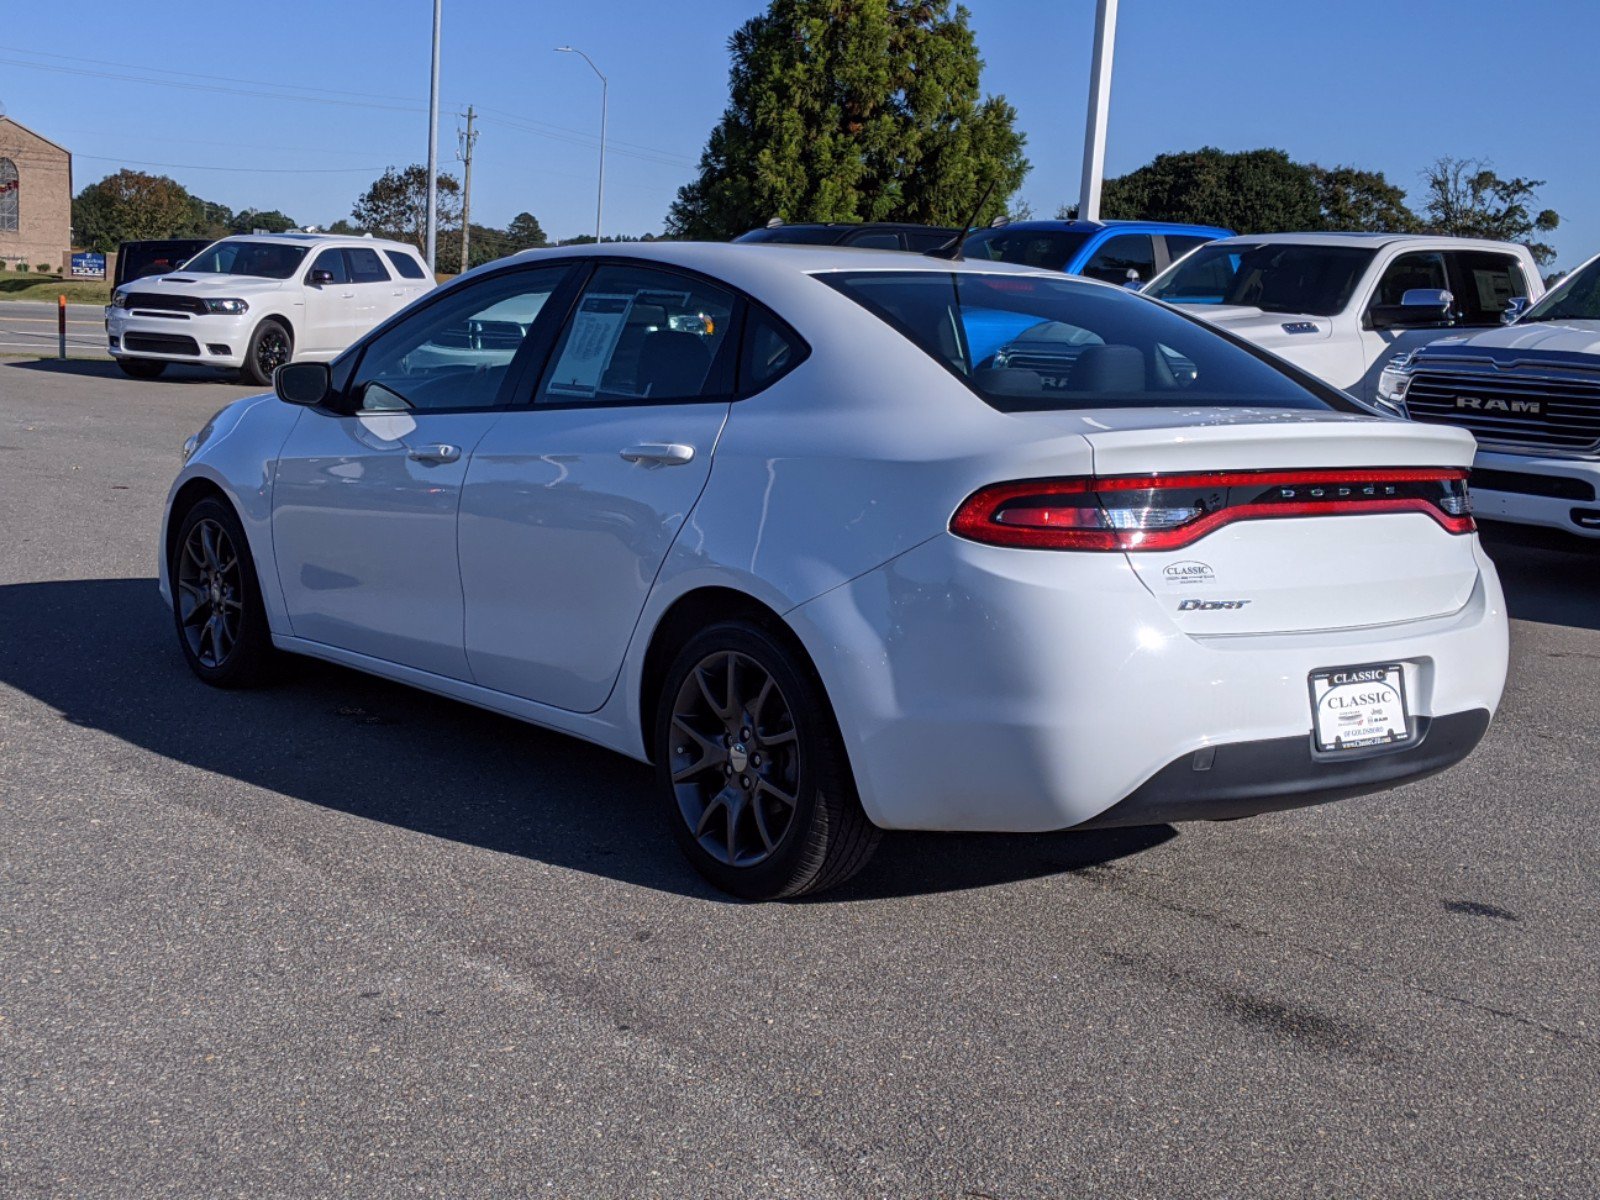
[
  {"x": 1126, "y": 258},
  {"x": 456, "y": 353},
  {"x": 408, "y": 267},
  {"x": 1486, "y": 283},
  {"x": 10, "y": 197},
  {"x": 1048, "y": 248},
  {"x": 264, "y": 260},
  {"x": 641, "y": 335},
  {"x": 331, "y": 261},
  {"x": 364, "y": 265},
  {"x": 1029, "y": 343},
  {"x": 1575, "y": 298},
  {"x": 1408, "y": 273}
]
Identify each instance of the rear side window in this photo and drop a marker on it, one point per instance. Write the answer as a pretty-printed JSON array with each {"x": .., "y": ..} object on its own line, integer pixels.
[
  {"x": 1179, "y": 244},
  {"x": 770, "y": 350},
  {"x": 1273, "y": 276},
  {"x": 1032, "y": 343},
  {"x": 923, "y": 240},
  {"x": 364, "y": 265},
  {"x": 642, "y": 336},
  {"x": 408, "y": 267},
  {"x": 875, "y": 240},
  {"x": 1486, "y": 283}
]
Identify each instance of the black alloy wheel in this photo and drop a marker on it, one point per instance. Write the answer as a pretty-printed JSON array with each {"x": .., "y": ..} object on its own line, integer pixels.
[
  {"x": 761, "y": 798},
  {"x": 270, "y": 347},
  {"x": 216, "y": 599}
]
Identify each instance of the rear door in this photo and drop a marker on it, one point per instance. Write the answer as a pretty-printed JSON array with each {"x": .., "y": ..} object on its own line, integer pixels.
[{"x": 573, "y": 500}]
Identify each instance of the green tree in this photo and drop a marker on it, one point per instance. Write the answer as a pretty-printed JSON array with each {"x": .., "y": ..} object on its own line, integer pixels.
[
  {"x": 248, "y": 220},
  {"x": 1353, "y": 199},
  {"x": 396, "y": 206},
  {"x": 525, "y": 232},
  {"x": 853, "y": 110},
  {"x": 129, "y": 206},
  {"x": 211, "y": 220},
  {"x": 1466, "y": 198},
  {"x": 1252, "y": 191}
]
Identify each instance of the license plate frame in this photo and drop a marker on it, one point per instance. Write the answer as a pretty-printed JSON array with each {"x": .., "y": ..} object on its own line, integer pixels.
[{"x": 1359, "y": 708}]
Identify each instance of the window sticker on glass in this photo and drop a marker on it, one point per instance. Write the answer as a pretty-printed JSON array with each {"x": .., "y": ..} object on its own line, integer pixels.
[{"x": 596, "y": 328}]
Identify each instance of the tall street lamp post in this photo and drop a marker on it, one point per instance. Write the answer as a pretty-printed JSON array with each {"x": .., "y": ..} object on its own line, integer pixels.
[{"x": 600, "y": 199}]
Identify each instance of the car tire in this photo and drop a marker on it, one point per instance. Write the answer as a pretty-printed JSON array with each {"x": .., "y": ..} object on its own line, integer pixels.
[
  {"x": 271, "y": 345},
  {"x": 752, "y": 767},
  {"x": 142, "y": 368},
  {"x": 216, "y": 599}
]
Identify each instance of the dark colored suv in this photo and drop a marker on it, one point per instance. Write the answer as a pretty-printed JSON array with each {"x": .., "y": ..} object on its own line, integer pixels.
[{"x": 870, "y": 235}]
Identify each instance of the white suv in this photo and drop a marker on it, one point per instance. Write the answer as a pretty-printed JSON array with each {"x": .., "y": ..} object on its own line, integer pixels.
[
  {"x": 1341, "y": 305},
  {"x": 255, "y": 303}
]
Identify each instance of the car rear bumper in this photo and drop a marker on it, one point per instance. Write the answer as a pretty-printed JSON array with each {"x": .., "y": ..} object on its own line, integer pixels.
[
  {"x": 1557, "y": 493},
  {"x": 1245, "y": 779},
  {"x": 979, "y": 688}
]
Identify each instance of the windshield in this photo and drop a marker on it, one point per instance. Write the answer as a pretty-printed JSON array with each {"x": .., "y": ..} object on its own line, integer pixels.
[
  {"x": 1032, "y": 343},
  {"x": 1279, "y": 277},
  {"x": 799, "y": 235},
  {"x": 268, "y": 260},
  {"x": 1575, "y": 298},
  {"x": 1051, "y": 249}
]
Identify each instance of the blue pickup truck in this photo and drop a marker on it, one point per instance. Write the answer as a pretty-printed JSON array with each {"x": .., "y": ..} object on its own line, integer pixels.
[{"x": 1124, "y": 252}]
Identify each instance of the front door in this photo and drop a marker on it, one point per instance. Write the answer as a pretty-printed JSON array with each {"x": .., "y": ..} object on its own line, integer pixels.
[
  {"x": 571, "y": 504},
  {"x": 365, "y": 501},
  {"x": 329, "y": 324}
]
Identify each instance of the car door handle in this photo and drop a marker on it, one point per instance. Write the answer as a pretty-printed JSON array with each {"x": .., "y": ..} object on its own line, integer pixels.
[
  {"x": 439, "y": 453},
  {"x": 669, "y": 454}
]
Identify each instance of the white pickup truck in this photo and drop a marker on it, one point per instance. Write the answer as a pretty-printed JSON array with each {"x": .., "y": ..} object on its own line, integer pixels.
[
  {"x": 1341, "y": 305},
  {"x": 1530, "y": 393}
]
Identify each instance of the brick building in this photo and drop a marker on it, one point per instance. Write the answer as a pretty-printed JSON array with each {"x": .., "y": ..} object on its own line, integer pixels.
[{"x": 35, "y": 199}]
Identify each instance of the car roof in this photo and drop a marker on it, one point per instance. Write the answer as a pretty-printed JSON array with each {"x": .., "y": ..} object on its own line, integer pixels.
[
  {"x": 851, "y": 225},
  {"x": 320, "y": 239},
  {"x": 1097, "y": 226},
  {"x": 1370, "y": 240}
]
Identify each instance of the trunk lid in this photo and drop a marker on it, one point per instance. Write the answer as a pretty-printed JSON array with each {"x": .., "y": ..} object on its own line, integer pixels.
[{"x": 1296, "y": 573}]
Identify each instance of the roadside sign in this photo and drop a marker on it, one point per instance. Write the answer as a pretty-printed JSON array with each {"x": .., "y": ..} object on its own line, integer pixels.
[{"x": 88, "y": 265}]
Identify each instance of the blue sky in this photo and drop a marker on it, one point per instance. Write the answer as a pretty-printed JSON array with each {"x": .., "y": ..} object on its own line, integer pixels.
[{"x": 1377, "y": 83}]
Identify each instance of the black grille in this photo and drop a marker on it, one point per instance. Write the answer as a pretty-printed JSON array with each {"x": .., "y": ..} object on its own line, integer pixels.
[
  {"x": 160, "y": 343},
  {"x": 165, "y": 303},
  {"x": 1557, "y": 487},
  {"x": 1511, "y": 407}
]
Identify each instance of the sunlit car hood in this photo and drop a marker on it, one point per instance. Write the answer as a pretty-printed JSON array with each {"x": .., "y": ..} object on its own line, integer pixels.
[
  {"x": 209, "y": 284},
  {"x": 1545, "y": 337},
  {"x": 1263, "y": 328}
]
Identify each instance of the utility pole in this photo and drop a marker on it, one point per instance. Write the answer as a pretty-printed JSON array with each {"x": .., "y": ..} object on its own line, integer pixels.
[
  {"x": 1094, "y": 135},
  {"x": 464, "y": 153},
  {"x": 433, "y": 146}
]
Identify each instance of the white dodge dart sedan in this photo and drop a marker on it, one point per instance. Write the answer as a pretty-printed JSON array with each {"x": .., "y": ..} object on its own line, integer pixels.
[{"x": 845, "y": 541}]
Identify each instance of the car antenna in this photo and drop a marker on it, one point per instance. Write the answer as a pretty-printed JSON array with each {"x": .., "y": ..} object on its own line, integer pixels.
[{"x": 952, "y": 249}]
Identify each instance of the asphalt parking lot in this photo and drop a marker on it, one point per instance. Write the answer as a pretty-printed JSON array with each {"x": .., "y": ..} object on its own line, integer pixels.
[
  {"x": 29, "y": 327},
  {"x": 340, "y": 938}
]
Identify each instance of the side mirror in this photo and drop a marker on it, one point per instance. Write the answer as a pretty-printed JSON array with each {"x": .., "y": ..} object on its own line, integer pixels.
[
  {"x": 1133, "y": 283},
  {"x": 1419, "y": 308},
  {"x": 304, "y": 383},
  {"x": 319, "y": 276},
  {"x": 1515, "y": 307}
]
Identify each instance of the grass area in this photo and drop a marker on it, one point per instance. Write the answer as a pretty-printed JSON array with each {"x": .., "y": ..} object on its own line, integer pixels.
[{"x": 18, "y": 286}]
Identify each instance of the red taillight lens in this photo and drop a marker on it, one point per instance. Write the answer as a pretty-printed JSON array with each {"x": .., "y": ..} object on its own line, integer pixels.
[{"x": 1167, "y": 512}]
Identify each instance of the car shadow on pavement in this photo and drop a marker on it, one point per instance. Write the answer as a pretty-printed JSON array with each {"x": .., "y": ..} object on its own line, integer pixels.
[
  {"x": 102, "y": 653},
  {"x": 105, "y": 369},
  {"x": 1549, "y": 576}
]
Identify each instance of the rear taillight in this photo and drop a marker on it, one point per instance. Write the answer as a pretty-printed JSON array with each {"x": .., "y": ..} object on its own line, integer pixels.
[{"x": 1166, "y": 512}]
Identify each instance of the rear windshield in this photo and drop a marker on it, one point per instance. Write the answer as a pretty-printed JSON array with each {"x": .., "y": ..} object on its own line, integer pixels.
[
  {"x": 1275, "y": 277},
  {"x": 1051, "y": 249},
  {"x": 1029, "y": 343},
  {"x": 265, "y": 260}
]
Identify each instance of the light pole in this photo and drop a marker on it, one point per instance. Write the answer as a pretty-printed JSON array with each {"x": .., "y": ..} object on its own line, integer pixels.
[
  {"x": 1094, "y": 137},
  {"x": 600, "y": 199},
  {"x": 433, "y": 146}
]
